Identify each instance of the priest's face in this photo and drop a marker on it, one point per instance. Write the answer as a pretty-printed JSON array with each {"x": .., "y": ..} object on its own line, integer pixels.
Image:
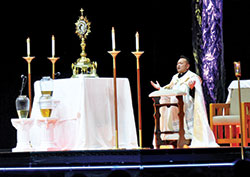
[{"x": 182, "y": 65}]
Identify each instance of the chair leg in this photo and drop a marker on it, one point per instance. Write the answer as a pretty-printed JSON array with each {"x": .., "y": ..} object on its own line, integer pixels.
[
  {"x": 215, "y": 132},
  {"x": 228, "y": 134},
  {"x": 244, "y": 133},
  {"x": 234, "y": 135},
  {"x": 237, "y": 133},
  {"x": 220, "y": 132}
]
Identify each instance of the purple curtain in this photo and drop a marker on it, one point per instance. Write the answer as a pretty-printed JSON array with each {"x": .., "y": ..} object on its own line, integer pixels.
[{"x": 208, "y": 48}]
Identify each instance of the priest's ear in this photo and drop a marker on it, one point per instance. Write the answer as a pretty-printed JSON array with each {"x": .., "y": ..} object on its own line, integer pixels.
[{"x": 188, "y": 65}]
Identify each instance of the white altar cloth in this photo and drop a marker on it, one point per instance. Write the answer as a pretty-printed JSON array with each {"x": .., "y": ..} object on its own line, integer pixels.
[
  {"x": 234, "y": 85},
  {"x": 86, "y": 114}
]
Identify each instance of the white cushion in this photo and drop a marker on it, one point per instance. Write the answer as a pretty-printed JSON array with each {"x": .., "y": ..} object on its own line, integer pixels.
[
  {"x": 166, "y": 92},
  {"x": 226, "y": 120}
]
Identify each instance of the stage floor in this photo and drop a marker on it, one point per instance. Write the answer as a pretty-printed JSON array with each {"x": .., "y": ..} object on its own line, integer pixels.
[
  {"x": 122, "y": 157},
  {"x": 135, "y": 159}
]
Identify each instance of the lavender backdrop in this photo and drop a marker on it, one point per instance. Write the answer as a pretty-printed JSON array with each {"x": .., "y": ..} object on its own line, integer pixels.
[{"x": 208, "y": 48}]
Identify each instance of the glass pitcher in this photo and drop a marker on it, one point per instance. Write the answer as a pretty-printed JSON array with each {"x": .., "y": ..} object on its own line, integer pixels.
[
  {"x": 46, "y": 86},
  {"x": 46, "y": 102}
]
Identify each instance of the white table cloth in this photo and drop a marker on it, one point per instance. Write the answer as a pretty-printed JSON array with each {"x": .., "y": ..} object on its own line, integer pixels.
[
  {"x": 234, "y": 85},
  {"x": 86, "y": 114}
]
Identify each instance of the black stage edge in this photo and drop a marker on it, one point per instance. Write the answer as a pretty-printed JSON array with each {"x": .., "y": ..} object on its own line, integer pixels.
[{"x": 136, "y": 163}]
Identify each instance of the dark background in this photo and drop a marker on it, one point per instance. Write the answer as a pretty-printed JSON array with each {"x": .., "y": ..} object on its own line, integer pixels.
[{"x": 165, "y": 33}]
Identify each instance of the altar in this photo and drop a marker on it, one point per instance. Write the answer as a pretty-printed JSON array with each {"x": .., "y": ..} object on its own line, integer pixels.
[{"x": 85, "y": 115}]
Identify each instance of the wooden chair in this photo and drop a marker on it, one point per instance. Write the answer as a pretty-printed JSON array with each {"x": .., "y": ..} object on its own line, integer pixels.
[{"x": 225, "y": 119}]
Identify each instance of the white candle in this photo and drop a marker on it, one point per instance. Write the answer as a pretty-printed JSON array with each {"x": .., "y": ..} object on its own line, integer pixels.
[
  {"x": 53, "y": 45},
  {"x": 137, "y": 41},
  {"x": 28, "y": 46},
  {"x": 113, "y": 38}
]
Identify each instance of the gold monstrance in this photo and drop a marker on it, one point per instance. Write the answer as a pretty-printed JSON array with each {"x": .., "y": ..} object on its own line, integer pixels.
[{"x": 83, "y": 66}]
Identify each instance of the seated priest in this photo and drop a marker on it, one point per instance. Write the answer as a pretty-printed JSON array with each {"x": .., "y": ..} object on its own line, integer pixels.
[{"x": 195, "y": 120}]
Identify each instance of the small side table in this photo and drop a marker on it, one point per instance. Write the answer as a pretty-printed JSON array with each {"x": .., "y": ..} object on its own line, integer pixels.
[
  {"x": 47, "y": 126},
  {"x": 23, "y": 137},
  {"x": 179, "y": 95}
]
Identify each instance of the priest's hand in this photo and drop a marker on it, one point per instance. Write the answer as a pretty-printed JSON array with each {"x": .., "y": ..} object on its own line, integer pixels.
[
  {"x": 191, "y": 84},
  {"x": 155, "y": 85}
]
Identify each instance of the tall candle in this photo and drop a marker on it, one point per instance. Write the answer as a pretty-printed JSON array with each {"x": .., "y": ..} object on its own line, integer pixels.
[
  {"x": 28, "y": 46},
  {"x": 53, "y": 45},
  {"x": 113, "y": 38},
  {"x": 137, "y": 41}
]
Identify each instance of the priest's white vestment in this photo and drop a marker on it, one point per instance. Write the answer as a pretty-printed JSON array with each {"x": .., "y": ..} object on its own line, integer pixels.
[{"x": 195, "y": 120}]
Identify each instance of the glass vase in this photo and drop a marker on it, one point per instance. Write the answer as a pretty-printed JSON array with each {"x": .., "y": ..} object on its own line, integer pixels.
[
  {"x": 46, "y": 102},
  {"x": 22, "y": 106},
  {"x": 46, "y": 86},
  {"x": 46, "y": 105}
]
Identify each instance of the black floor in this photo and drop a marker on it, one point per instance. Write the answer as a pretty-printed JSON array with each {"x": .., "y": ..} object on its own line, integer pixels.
[{"x": 131, "y": 163}]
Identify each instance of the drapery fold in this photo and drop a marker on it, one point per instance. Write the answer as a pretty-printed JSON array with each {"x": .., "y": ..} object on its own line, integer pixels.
[{"x": 208, "y": 49}]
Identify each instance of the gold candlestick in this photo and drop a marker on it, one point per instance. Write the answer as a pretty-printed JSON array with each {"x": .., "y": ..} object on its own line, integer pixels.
[
  {"x": 53, "y": 61},
  {"x": 114, "y": 54},
  {"x": 28, "y": 60},
  {"x": 137, "y": 54},
  {"x": 237, "y": 72}
]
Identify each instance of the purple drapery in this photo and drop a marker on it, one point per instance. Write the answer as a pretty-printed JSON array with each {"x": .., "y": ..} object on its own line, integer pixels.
[
  {"x": 208, "y": 48},
  {"x": 212, "y": 58}
]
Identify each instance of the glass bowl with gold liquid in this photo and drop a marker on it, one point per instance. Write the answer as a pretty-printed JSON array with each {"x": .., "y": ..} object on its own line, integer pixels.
[{"x": 47, "y": 104}]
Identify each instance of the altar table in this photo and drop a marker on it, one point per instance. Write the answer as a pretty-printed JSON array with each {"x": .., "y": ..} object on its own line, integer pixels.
[{"x": 85, "y": 114}]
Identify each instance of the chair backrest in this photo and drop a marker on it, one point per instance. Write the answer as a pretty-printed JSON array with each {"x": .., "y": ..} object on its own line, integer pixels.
[{"x": 234, "y": 99}]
